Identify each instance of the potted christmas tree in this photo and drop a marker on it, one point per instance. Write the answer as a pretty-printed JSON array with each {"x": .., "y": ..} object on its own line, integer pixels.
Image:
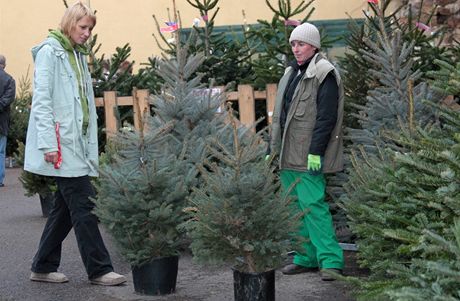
[
  {"x": 140, "y": 199},
  {"x": 238, "y": 215},
  {"x": 144, "y": 184}
]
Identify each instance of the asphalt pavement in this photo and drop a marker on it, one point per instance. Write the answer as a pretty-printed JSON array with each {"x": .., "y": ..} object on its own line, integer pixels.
[{"x": 21, "y": 224}]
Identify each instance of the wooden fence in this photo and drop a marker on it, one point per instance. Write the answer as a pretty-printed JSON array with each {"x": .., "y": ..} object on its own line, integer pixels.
[{"x": 245, "y": 96}]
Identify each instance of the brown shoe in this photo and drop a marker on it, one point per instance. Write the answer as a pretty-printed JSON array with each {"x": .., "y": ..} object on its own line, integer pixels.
[
  {"x": 292, "y": 269},
  {"x": 330, "y": 274}
]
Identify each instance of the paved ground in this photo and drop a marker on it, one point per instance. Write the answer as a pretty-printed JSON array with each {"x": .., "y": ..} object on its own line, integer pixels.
[{"x": 21, "y": 225}]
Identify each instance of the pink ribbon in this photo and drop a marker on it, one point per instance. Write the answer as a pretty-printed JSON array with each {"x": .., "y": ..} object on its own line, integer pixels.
[
  {"x": 58, "y": 163},
  {"x": 422, "y": 26},
  {"x": 289, "y": 22}
]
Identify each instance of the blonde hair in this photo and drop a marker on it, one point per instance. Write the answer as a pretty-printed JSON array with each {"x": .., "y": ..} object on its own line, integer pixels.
[{"x": 73, "y": 14}]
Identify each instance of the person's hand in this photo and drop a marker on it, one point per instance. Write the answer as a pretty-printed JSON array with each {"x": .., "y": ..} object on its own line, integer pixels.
[
  {"x": 313, "y": 162},
  {"x": 51, "y": 157}
]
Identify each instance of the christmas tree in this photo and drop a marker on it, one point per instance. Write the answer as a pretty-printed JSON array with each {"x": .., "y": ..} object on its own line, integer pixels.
[
  {"x": 384, "y": 66},
  {"x": 141, "y": 193},
  {"x": 435, "y": 274},
  {"x": 404, "y": 183},
  {"x": 435, "y": 279},
  {"x": 355, "y": 70},
  {"x": 226, "y": 56},
  {"x": 446, "y": 80},
  {"x": 393, "y": 199},
  {"x": 237, "y": 214},
  {"x": 33, "y": 183},
  {"x": 188, "y": 106},
  {"x": 147, "y": 174}
]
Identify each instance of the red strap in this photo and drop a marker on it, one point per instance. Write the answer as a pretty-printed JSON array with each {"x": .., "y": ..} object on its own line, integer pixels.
[{"x": 58, "y": 163}]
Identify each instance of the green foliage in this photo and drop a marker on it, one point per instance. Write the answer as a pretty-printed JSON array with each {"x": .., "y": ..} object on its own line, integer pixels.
[
  {"x": 404, "y": 179},
  {"x": 141, "y": 193},
  {"x": 19, "y": 116},
  {"x": 394, "y": 198},
  {"x": 271, "y": 39},
  {"x": 392, "y": 91},
  {"x": 187, "y": 106},
  {"x": 226, "y": 59},
  {"x": 237, "y": 214},
  {"x": 147, "y": 77},
  {"x": 116, "y": 73},
  {"x": 33, "y": 183},
  {"x": 147, "y": 175},
  {"x": 355, "y": 71},
  {"x": 259, "y": 56},
  {"x": 447, "y": 79},
  {"x": 437, "y": 279}
]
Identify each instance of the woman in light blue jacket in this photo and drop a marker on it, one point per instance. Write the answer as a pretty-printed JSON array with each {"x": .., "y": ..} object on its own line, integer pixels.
[{"x": 62, "y": 143}]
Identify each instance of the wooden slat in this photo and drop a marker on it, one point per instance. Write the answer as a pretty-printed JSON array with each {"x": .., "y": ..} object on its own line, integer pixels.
[
  {"x": 125, "y": 101},
  {"x": 260, "y": 95},
  {"x": 232, "y": 96},
  {"x": 141, "y": 107},
  {"x": 99, "y": 101},
  {"x": 121, "y": 101},
  {"x": 110, "y": 99},
  {"x": 137, "y": 111},
  {"x": 246, "y": 104},
  {"x": 246, "y": 97},
  {"x": 271, "y": 98}
]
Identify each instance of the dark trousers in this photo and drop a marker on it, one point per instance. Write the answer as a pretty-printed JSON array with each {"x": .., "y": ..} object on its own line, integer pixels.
[{"x": 73, "y": 208}]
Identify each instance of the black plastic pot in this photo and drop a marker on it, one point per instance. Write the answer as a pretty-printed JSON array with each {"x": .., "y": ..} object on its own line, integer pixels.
[
  {"x": 254, "y": 286},
  {"x": 157, "y": 277},
  {"x": 47, "y": 203}
]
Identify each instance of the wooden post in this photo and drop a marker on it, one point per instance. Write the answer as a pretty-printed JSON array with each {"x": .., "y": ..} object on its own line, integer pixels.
[
  {"x": 137, "y": 111},
  {"x": 271, "y": 98},
  {"x": 246, "y": 104},
  {"x": 141, "y": 107},
  {"x": 110, "y": 103}
]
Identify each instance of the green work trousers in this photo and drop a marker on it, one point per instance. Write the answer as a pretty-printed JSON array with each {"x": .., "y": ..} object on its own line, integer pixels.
[{"x": 321, "y": 248}]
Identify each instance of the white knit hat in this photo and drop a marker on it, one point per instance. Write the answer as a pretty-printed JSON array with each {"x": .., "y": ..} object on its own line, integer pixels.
[{"x": 307, "y": 33}]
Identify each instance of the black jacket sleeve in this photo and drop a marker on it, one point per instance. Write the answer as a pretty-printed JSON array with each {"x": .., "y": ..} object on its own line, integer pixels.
[
  {"x": 8, "y": 90},
  {"x": 326, "y": 117}
]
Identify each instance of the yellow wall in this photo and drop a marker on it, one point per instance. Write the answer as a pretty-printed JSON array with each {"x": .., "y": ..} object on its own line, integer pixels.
[{"x": 24, "y": 23}]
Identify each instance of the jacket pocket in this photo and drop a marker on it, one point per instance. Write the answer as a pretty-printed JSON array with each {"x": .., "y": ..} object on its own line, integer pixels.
[
  {"x": 63, "y": 115},
  {"x": 305, "y": 110},
  {"x": 300, "y": 110},
  {"x": 296, "y": 147},
  {"x": 64, "y": 77}
]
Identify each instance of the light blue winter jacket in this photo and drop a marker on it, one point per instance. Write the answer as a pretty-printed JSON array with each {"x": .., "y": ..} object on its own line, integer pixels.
[{"x": 56, "y": 99}]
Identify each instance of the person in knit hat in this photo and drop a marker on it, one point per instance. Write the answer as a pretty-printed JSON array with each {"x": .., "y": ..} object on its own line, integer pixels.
[{"x": 307, "y": 136}]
